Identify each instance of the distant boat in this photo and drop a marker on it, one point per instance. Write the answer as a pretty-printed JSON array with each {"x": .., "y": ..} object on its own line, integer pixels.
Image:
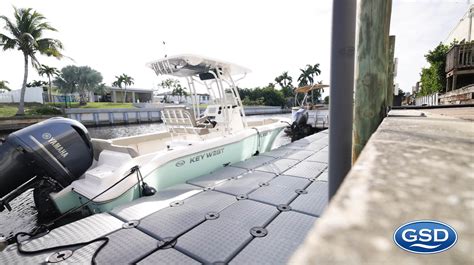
[{"x": 307, "y": 117}]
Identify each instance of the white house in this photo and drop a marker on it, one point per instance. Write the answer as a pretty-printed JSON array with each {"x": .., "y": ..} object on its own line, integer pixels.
[
  {"x": 134, "y": 95},
  {"x": 463, "y": 31},
  {"x": 32, "y": 94}
]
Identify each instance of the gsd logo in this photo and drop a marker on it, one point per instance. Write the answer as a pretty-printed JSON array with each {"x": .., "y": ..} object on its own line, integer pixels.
[{"x": 425, "y": 237}]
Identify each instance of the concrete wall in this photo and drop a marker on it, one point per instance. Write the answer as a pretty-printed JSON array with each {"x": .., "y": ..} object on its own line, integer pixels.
[
  {"x": 138, "y": 115},
  {"x": 114, "y": 116},
  {"x": 463, "y": 95},
  {"x": 32, "y": 94},
  {"x": 8, "y": 124},
  {"x": 262, "y": 110},
  {"x": 415, "y": 166}
]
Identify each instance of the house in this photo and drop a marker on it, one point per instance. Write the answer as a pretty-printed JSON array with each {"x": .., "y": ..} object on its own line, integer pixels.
[
  {"x": 134, "y": 95},
  {"x": 459, "y": 66},
  {"x": 460, "y": 58},
  {"x": 32, "y": 94}
]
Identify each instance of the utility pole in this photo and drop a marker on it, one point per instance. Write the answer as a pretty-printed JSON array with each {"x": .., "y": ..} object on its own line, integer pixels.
[
  {"x": 342, "y": 88},
  {"x": 371, "y": 70}
]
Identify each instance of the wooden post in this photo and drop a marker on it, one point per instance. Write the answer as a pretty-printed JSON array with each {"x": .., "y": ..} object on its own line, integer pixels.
[
  {"x": 370, "y": 70},
  {"x": 391, "y": 55}
]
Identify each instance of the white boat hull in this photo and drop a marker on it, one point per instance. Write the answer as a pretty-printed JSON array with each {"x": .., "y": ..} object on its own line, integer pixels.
[{"x": 165, "y": 172}]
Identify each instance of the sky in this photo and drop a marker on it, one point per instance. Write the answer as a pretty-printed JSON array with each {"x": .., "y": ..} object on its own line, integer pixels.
[{"x": 269, "y": 37}]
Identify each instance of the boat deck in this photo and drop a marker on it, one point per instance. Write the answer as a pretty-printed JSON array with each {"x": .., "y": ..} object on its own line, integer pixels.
[{"x": 254, "y": 212}]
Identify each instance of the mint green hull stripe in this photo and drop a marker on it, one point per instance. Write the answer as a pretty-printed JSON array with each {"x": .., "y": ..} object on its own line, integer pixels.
[{"x": 181, "y": 170}]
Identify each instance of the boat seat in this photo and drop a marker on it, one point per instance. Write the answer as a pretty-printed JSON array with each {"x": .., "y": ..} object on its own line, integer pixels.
[
  {"x": 108, "y": 162},
  {"x": 180, "y": 120},
  {"x": 100, "y": 145}
]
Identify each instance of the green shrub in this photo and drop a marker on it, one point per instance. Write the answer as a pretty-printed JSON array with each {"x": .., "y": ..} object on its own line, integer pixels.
[{"x": 45, "y": 110}]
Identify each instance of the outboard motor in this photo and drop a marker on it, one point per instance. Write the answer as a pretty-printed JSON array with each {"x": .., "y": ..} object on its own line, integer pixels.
[
  {"x": 299, "y": 127},
  {"x": 47, "y": 156}
]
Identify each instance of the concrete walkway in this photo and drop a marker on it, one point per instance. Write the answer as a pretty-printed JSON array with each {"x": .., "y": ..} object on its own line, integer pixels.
[{"x": 418, "y": 165}]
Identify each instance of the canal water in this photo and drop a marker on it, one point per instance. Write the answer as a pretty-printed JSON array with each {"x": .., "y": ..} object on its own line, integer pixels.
[{"x": 23, "y": 217}]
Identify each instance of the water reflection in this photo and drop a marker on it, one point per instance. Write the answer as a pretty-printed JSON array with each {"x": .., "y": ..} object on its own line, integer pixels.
[{"x": 110, "y": 132}]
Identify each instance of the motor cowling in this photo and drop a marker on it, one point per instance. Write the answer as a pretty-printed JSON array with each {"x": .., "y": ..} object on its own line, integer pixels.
[
  {"x": 57, "y": 148},
  {"x": 299, "y": 128}
]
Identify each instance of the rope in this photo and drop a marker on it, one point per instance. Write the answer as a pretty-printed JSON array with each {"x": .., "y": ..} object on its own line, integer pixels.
[
  {"x": 74, "y": 245},
  {"x": 46, "y": 226},
  {"x": 132, "y": 170}
]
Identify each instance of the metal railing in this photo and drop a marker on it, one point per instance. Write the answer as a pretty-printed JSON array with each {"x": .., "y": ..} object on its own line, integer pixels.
[{"x": 428, "y": 100}]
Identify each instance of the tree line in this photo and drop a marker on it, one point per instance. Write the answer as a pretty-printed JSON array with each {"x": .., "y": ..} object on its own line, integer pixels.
[
  {"x": 278, "y": 93},
  {"x": 281, "y": 92},
  {"x": 26, "y": 31}
]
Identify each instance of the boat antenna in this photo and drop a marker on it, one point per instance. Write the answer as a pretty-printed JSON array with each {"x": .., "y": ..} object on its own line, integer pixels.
[{"x": 164, "y": 49}]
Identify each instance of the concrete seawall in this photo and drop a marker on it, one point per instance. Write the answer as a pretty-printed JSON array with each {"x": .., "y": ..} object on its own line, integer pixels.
[
  {"x": 114, "y": 116},
  {"x": 138, "y": 115},
  {"x": 418, "y": 165},
  {"x": 16, "y": 123},
  {"x": 103, "y": 117}
]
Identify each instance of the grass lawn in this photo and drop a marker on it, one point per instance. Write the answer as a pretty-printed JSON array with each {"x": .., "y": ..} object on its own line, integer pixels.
[
  {"x": 31, "y": 109},
  {"x": 107, "y": 105},
  {"x": 97, "y": 105},
  {"x": 7, "y": 110}
]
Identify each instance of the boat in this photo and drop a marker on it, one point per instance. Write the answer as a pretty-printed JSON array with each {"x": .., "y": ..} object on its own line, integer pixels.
[
  {"x": 68, "y": 169},
  {"x": 307, "y": 117}
]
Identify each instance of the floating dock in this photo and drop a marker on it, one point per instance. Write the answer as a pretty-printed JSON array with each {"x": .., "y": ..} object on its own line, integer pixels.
[{"x": 254, "y": 212}]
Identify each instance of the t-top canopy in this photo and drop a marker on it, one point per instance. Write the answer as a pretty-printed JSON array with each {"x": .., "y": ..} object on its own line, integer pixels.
[
  {"x": 306, "y": 89},
  {"x": 190, "y": 65}
]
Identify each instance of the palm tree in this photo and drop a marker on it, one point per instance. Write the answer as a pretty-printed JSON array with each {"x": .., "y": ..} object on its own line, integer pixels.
[
  {"x": 102, "y": 90},
  {"x": 179, "y": 91},
  {"x": 49, "y": 72},
  {"x": 127, "y": 81},
  {"x": 25, "y": 33},
  {"x": 3, "y": 86},
  {"x": 284, "y": 80},
  {"x": 36, "y": 83},
  {"x": 118, "y": 83},
  {"x": 315, "y": 69},
  {"x": 306, "y": 76}
]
